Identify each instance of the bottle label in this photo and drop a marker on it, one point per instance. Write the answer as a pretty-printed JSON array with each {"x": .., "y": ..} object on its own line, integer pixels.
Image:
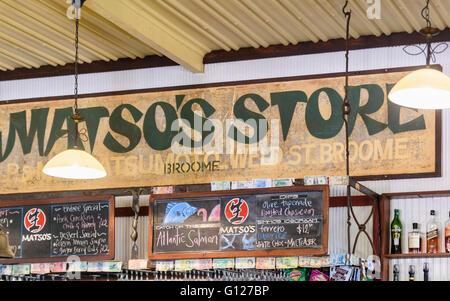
[
  {"x": 414, "y": 242},
  {"x": 396, "y": 232},
  {"x": 432, "y": 234}
]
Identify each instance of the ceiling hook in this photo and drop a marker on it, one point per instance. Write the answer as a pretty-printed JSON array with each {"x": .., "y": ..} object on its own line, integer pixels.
[{"x": 346, "y": 13}]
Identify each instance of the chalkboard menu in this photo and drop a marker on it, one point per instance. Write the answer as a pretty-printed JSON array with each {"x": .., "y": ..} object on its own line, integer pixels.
[
  {"x": 246, "y": 222},
  {"x": 53, "y": 229}
]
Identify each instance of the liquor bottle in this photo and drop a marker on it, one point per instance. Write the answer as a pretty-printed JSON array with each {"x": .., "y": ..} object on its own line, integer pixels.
[
  {"x": 414, "y": 240},
  {"x": 433, "y": 234},
  {"x": 447, "y": 234},
  {"x": 396, "y": 234}
]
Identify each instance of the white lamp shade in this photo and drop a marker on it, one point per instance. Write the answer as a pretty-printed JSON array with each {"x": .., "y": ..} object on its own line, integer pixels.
[
  {"x": 422, "y": 89},
  {"x": 74, "y": 164}
]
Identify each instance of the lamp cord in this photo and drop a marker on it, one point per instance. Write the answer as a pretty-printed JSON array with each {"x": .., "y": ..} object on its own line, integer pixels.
[
  {"x": 78, "y": 135},
  {"x": 76, "y": 62},
  {"x": 426, "y": 13},
  {"x": 76, "y": 117}
]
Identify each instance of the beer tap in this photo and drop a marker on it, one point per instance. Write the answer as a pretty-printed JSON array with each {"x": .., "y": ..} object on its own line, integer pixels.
[
  {"x": 396, "y": 272},
  {"x": 426, "y": 271},
  {"x": 411, "y": 272}
]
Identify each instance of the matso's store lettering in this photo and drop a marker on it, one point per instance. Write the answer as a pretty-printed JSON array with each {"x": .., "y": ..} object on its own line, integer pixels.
[{"x": 279, "y": 129}]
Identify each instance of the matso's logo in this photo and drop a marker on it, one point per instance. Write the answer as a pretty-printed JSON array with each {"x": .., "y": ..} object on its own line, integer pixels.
[
  {"x": 236, "y": 211},
  {"x": 34, "y": 220}
]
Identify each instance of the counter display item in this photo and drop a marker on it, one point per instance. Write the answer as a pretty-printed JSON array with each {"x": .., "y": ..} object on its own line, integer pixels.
[{"x": 318, "y": 268}]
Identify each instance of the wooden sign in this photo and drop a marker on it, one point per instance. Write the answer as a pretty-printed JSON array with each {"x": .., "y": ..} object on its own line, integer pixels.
[
  {"x": 271, "y": 128},
  {"x": 260, "y": 222},
  {"x": 53, "y": 229}
]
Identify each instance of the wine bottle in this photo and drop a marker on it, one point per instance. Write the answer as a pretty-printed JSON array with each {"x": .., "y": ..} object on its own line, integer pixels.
[{"x": 396, "y": 233}]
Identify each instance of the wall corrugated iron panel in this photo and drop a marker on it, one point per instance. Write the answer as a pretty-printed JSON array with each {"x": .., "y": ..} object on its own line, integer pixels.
[
  {"x": 123, "y": 240},
  {"x": 337, "y": 242},
  {"x": 245, "y": 70}
]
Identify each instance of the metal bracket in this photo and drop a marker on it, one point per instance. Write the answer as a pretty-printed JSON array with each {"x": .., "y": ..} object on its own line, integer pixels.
[
  {"x": 363, "y": 189},
  {"x": 375, "y": 206}
]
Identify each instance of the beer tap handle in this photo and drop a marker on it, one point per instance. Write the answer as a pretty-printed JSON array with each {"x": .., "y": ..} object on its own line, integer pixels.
[
  {"x": 411, "y": 272},
  {"x": 396, "y": 272},
  {"x": 426, "y": 270}
]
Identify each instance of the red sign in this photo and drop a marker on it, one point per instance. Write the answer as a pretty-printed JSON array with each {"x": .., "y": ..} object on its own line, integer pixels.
[
  {"x": 34, "y": 220},
  {"x": 236, "y": 211}
]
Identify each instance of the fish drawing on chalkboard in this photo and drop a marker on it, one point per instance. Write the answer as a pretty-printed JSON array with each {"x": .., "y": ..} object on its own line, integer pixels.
[
  {"x": 178, "y": 212},
  {"x": 248, "y": 243},
  {"x": 213, "y": 217},
  {"x": 215, "y": 214}
]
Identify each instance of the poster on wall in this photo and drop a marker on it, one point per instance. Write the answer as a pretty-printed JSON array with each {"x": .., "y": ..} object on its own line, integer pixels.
[{"x": 271, "y": 128}]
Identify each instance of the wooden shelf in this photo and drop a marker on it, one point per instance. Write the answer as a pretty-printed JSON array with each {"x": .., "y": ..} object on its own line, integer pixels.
[
  {"x": 419, "y": 194},
  {"x": 416, "y": 255},
  {"x": 384, "y": 215}
]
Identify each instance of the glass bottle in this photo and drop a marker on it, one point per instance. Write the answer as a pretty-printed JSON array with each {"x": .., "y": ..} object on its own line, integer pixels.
[
  {"x": 414, "y": 240},
  {"x": 433, "y": 234},
  {"x": 447, "y": 234},
  {"x": 396, "y": 234}
]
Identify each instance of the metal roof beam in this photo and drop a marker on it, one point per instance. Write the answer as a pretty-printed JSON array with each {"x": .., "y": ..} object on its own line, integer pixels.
[{"x": 128, "y": 16}]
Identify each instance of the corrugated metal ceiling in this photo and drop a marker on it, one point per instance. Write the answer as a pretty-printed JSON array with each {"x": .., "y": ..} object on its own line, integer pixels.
[{"x": 35, "y": 33}]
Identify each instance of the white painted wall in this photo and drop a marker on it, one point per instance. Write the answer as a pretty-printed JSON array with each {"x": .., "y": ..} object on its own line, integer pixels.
[{"x": 390, "y": 57}]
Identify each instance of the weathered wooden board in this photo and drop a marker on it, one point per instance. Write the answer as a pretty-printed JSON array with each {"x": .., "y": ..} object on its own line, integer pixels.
[{"x": 132, "y": 132}]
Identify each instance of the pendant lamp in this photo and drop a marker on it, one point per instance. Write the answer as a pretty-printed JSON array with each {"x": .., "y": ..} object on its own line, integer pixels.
[
  {"x": 425, "y": 88},
  {"x": 75, "y": 163}
]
